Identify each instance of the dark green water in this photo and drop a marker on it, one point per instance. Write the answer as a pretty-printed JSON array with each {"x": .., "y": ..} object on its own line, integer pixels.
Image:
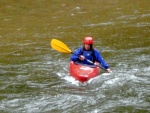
[{"x": 34, "y": 77}]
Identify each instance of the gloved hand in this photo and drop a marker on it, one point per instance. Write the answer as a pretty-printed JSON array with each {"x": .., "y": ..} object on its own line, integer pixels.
[
  {"x": 81, "y": 57},
  {"x": 109, "y": 70}
]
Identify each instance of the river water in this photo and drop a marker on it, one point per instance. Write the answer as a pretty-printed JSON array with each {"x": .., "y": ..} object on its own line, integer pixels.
[{"x": 34, "y": 77}]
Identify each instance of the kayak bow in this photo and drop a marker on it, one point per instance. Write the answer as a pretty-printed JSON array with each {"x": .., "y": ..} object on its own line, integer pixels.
[{"x": 82, "y": 72}]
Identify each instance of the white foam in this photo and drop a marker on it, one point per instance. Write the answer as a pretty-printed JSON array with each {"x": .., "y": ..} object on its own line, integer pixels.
[{"x": 72, "y": 80}]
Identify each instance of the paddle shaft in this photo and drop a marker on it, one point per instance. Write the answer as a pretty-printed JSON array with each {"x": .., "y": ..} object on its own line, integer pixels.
[{"x": 90, "y": 61}]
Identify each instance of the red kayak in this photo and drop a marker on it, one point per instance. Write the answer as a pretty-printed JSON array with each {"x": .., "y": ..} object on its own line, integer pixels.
[{"x": 83, "y": 72}]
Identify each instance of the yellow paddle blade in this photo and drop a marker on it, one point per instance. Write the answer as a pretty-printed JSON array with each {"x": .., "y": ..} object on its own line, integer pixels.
[{"x": 59, "y": 46}]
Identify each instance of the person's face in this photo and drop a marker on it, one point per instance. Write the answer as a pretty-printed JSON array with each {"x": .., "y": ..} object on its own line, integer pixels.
[{"x": 87, "y": 46}]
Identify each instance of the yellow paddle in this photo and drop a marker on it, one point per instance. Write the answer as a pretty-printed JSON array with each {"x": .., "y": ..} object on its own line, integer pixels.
[{"x": 61, "y": 47}]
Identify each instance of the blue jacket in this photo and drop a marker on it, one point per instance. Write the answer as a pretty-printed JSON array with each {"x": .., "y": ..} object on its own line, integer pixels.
[{"x": 90, "y": 55}]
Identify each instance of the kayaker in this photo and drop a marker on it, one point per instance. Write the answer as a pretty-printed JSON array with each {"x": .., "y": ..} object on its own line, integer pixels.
[{"x": 90, "y": 53}]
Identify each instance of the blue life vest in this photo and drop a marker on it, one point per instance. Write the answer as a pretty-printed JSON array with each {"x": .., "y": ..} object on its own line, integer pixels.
[
  {"x": 92, "y": 55},
  {"x": 88, "y": 55}
]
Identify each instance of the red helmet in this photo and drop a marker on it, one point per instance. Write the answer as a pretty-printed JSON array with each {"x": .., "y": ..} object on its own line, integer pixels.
[{"x": 88, "y": 40}]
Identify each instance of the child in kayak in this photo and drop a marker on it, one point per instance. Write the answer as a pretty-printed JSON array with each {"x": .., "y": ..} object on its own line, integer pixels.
[{"x": 87, "y": 52}]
